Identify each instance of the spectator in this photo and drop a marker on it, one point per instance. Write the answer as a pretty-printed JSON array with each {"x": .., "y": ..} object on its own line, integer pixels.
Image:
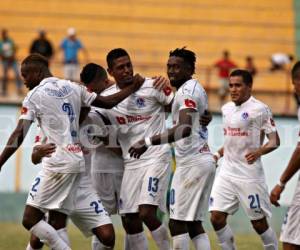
[
  {"x": 224, "y": 65},
  {"x": 8, "y": 55},
  {"x": 250, "y": 67},
  {"x": 42, "y": 45},
  {"x": 70, "y": 46},
  {"x": 281, "y": 61}
]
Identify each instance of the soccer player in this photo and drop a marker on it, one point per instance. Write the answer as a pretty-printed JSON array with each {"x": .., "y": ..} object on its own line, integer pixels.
[
  {"x": 241, "y": 179},
  {"x": 290, "y": 233},
  {"x": 195, "y": 165},
  {"x": 88, "y": 214},
  {"x": 55, "y": 104},
  {"x": 145, "y": 180}
]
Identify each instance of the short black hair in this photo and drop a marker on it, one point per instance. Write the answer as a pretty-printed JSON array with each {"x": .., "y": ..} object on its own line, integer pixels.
[
  {"x": 188, "y": 56},
  {"x": 247, "y": 77},
  {"x": 89, "y": 72},
  {"x": 115, "y": 54},
  {"x": 296, "y": 70},
  {"x": 37, "y": 59}
]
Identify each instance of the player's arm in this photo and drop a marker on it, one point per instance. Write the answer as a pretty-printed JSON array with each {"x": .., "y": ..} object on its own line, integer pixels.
[
  {"x": 109, "y": 102},
  {"x": 206, "y": 118},
  {"x": 15, "y": 140},
  {"x": 181, "y": 130},
  {"x": 272, "y": 144},
  {"x": 292, "y": 167},
  {"x": 219, "y": 154},
  {"x": 40, "y": 151}
]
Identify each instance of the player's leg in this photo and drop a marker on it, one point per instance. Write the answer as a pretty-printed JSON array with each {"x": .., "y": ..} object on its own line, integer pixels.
[
  {"x": 198, "y": 236},
  {"x": 288, "y": 246},
  {"x": 179, "y": 233},
  {"x": 105, "y": 237},
  {"x": 33, "y": 221},
  {"x": 152, "y": 195},
  {"x": 268, "y": 236},
  {"x": 34, "y": 243},
  {"x": 290, "y": 230},
  {"x": 133, "y": 225},
  {"x": 223, "y": 201}
]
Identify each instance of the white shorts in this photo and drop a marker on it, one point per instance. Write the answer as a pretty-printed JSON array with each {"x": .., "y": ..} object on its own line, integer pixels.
[
  {"x": 224, "y": 86},
  {"x": 290, "y": 231},
  {"x": 144, "y": 185},
  {"x": 53, "y": 191},
  {"x": 228, "y": 192},
  {"x": 108, "y": 186},
  {"x": 190, "y": 191},
  {"x": 89, "y": 212}
]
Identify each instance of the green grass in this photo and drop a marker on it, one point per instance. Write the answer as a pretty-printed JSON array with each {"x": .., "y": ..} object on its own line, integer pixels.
[{"x": 15, "y": 237}]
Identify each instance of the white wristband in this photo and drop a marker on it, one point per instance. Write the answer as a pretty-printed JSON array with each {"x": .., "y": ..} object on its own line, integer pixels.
[
  {"x": 217, "y": 154},
  {"x": 281, "y": 184},
  {"x": 148, "y": 142}
]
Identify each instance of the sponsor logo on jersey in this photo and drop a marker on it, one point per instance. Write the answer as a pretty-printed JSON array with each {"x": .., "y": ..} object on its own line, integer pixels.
[
  {"x": 189, "y": 103},
  {"x": 235, "y": 132},
  {"x": 132, "y": 118},
  {"x": 24, "y": 111},
  {"x": 140, "y": 102},
  {"x": 37, "y": 139},
  {"x": 74, "y": 148},
  {"x": 121, "y": 120},
  {"x": 167, "y": 91},
  {"x": 245, "y": 116}
]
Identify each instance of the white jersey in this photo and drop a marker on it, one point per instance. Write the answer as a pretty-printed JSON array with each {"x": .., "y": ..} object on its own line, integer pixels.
[
  {"x": 296, "y": 198},
  {"x": 191, "y": 95},
  {"x": 138, "y": 116},
  {"x": 103, "y": 160},
  {"x": 243, "y": 126},
  {"x": 56, "y": 104}
]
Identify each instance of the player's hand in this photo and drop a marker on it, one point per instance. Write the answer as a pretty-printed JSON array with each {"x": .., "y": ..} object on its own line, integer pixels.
[
  {"x": 161, "y": 83},
  {"x": 275, "y": 195},
  {"x": 138, "y": 149},
  {"x": 205, "y": 119},
  {"x": 138, "y": 81},
  {"x": 45, "y": 150},
  {"x": 252, "y": 156}
]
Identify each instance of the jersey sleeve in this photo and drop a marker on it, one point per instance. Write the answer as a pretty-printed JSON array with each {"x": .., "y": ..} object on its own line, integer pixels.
[
  {"x": 28, "y": 110},
  {"x": 97, "y": 127},
  {"x": 164, "y": 96},
  {"x": 268, "y": 124},
  {"x": 187, "y": 102},
  {"x": 87, "y": 97}
]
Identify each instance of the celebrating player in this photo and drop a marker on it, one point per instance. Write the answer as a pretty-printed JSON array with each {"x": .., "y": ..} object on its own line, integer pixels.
[
  {"x": 241, "y": 179},
  {"x": 195, "y": 166},
  {"x": 290, "y": 235}
]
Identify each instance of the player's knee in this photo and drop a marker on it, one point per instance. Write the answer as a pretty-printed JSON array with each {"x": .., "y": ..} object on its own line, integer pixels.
[
  {"x": 218, "y": 220},
  {"x": 260, "y": 226},
  {"x": 106, "y": 235}
]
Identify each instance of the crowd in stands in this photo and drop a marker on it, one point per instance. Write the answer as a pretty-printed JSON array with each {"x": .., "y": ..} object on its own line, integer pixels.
[{"x": 71, "y": 45}]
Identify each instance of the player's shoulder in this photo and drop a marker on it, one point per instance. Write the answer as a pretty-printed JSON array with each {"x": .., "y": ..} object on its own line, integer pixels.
[
  {"x": 257, "y": 104},
  {"x": 110, "y": 90},
  {"x": 190, "y": 87},
  {"x": 227, "y": 107},
  {"x": 147, "y": 85}
]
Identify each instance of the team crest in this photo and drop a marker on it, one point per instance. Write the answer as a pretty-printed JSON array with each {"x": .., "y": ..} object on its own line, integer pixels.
[
  {"x": 245, "y": 116},
  {"x": 140, "y": 102}
]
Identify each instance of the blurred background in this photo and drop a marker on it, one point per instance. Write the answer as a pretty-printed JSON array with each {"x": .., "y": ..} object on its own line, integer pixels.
[{"x": 262, "y": 36}]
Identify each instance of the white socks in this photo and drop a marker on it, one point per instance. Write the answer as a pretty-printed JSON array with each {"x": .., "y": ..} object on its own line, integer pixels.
[
  {"x": 98, "y": 245},
  {"x": 226, "y": 239},
  {"x": 269, "y": 239},
  {"x": 47, "y": 233},
  {"x": 30, "y": 248},
  {"x": 161, "y": 237},
  {"x": 181, "y": 242},
  {"x": 201, "y": 242},
  {"x": 137, "y": 241}
]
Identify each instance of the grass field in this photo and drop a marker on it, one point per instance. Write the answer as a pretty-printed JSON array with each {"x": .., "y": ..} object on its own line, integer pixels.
[{"x": 15, "y": 237}]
